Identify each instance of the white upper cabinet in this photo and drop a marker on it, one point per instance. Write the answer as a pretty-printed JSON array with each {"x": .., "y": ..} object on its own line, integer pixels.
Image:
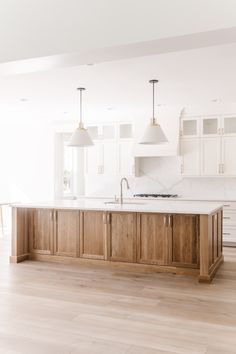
[
  {"x": 109, "y": 158},
  {"x": 189, "y": 127},
  {"x": 210, "y": 156},
  {"x": 215, "y": 153},
  {"x": 190, "y": 151},
  {"x": 210, "y": 126},
  {"x": 126, "y": 160},
  {"x": 125, "y": 131},
  {"x": 228, "y": 156},
  {"x": 229, "y": 125},
  {"x": 93, "y": 159},
  {"x": 112, "y": 153}
]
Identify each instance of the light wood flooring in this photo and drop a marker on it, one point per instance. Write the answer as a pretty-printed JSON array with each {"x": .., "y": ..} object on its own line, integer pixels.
[{"x": 51, "y": 308}]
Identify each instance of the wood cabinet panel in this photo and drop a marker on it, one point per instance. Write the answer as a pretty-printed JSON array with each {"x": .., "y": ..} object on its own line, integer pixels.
[
  {"x": 122, "y": 236},
  {"x": 185, "y": 240},
  {"x": 41, "y": 240},
  {"x": 92, "y": 235},
  {"x": 66, "y": 232},
  {"x": 153, "y": 245}
]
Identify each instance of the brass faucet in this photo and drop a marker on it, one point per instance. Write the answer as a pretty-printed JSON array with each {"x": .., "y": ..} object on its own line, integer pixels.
[{"x": 121, "y": 188}]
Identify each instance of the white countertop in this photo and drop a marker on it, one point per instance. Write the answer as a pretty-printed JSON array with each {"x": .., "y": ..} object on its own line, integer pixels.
[{"x": 160, "y": 206}]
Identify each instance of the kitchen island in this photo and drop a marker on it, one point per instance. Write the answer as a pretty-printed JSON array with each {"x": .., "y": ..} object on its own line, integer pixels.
[{"x": 177, "y": 237}]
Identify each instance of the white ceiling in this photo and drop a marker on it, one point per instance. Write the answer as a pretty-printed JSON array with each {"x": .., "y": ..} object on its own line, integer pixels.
[
  {"x": 31, "y": 29},
  {"x": 120, "y": 89}
]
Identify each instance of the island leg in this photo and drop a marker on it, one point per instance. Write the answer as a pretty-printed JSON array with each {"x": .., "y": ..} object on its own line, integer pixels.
[
  {"x": 20, "y": 235},
  {"x": 211, "y": 255}
]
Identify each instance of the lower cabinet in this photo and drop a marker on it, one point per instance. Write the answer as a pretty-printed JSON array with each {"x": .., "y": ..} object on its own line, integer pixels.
[
  {"x": 54, "y": 232},
  {"x": 42, "y": 231},
  {"x": 149, "y": 238},
  {"x": 184, "y": 240},
  {"x": 92, "y": 243},
  {"x": 153, "y": 245},
  {"x": 66, "y": 233},
  {"x": 121, "y": 236}
]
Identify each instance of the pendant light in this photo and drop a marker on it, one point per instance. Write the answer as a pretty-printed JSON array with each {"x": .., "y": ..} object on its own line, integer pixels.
[
  {"x": 80, "y": 137},
  {"x": 153, "y": 134}
]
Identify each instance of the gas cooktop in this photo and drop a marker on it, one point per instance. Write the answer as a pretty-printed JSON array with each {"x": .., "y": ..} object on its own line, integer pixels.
[{"x": 147, "y": 195}]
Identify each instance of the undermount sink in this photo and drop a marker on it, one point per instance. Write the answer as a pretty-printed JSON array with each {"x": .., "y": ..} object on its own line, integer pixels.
[{"x": 125, "y": 203}]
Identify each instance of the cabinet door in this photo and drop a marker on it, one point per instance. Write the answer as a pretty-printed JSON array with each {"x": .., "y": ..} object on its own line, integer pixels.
[
  {"x": 210, "y": 156},
  {"x": 153, "y": 245},
  {"x": 122, "y": 236},
  {"x": 190, "y": 151},
  {"x": 41, "y": 240},
  {"x": 109, "y": 158},
  {"x": 66, "y": 233},
  {"x": 185, "y": 240},
  {"x": 190, "y": 127},
  {"x": 126, "y": 159},
  {"x": 92, "y": 235},
  {"x": 210, "y": 126},
  {"x": 228, "y": 156},
  {"x": 93, "y": 163}
]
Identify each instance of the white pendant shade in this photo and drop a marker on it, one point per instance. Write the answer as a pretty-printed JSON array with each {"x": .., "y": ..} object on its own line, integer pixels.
[
  {"x": 80, "y": 138},
  {"x": 153, "y": 135}
]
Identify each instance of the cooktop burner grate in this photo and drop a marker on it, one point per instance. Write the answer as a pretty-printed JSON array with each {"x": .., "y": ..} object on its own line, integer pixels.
[{"x": 147, "y": 195}]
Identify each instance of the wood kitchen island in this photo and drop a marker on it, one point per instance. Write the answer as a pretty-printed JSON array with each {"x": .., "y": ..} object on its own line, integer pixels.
[{"x": 176, "y": 237}]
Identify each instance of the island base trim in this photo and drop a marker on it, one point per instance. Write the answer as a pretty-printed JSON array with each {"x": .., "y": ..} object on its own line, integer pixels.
[
  {"x": 213, "y": 269},
  {"x": 20, "y": 258},
  {"x": 145, "y": 268}
]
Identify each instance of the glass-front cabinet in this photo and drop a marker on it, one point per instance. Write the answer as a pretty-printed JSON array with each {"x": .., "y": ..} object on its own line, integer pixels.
[
  {"x": 229, "y": 125},
  {"x": 190, "y": 127},
  {"x": 208, "y": 146},
  {"x": 210, "y": 126}
]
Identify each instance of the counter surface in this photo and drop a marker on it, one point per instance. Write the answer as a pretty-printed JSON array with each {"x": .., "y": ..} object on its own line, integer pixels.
[{"x": 160, "y": 206}]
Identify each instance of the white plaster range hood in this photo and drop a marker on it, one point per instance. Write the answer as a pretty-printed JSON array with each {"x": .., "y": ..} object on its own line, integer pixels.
[{"x": 169, "y": 118}]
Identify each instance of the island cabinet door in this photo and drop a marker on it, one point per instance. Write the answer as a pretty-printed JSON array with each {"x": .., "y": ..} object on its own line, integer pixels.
[
  {"x": 66, "y": 233},
  {"x": 152, "y": 239},
  {"x": 92, "y": 235},
  {"x": 184, "y": 240},
  {"x": 121, "y": 236},
  {"x": 41, "y": 234}
]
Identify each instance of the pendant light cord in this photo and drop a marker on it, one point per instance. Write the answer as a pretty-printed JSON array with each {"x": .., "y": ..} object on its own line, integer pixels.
[
  {"x": 153, "y": 102},
  {"x": 80, "y": 89},
  {"x": 80, "y": 108},
  {"x": 153, "y": 82}
]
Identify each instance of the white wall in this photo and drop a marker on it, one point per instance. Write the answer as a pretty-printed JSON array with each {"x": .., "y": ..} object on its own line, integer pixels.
[{"x": 27, "y": 156}]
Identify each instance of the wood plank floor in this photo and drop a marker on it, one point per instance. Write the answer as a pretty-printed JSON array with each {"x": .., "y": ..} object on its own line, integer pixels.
[{"x": 51, "y": 308}]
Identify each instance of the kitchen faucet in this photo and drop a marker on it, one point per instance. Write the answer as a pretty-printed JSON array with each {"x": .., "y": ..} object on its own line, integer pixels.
[{"x": 121, "y": 188}]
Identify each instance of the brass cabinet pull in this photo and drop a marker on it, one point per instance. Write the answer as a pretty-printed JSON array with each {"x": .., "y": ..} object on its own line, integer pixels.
[
  {"x": 226, "y": 205},
  {"x": 227, "y": 217},
  {"x": 170, "y": 220},
  {"x": 165, "y": 221}
]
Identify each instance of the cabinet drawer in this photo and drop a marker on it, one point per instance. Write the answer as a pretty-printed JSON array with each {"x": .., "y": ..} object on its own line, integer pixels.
[
  {"x": 229, "y": 235},
  {"x": 229, "y": 205},
  {"x": 229, "y": 217}
]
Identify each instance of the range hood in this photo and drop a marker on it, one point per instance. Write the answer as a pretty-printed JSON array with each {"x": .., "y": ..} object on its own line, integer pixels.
[{"x": 169, "y": 118}]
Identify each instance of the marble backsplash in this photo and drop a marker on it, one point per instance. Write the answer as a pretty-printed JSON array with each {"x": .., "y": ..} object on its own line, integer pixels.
[{"x": 162, "y": 175}]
